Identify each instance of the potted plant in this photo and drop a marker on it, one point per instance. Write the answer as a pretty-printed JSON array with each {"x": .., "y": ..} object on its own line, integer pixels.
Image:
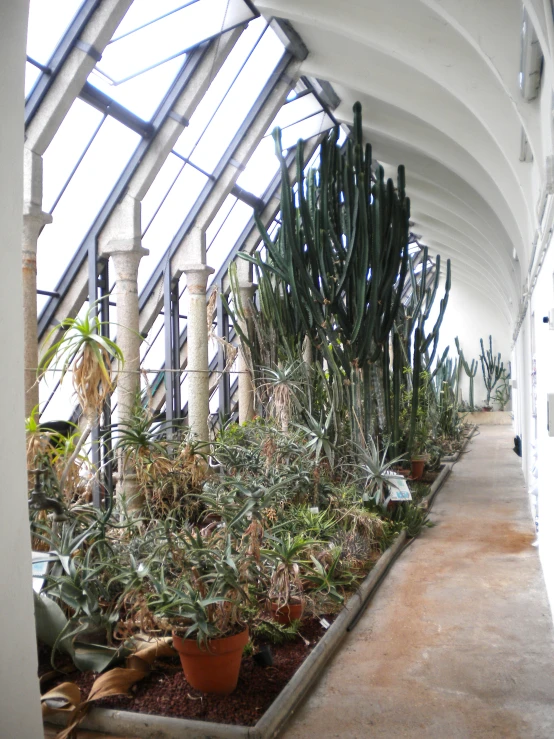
[{"x": 202, "y": 607}]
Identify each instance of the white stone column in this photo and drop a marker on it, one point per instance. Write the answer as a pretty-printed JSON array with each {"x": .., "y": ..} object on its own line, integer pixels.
[
  {"x": 33, "y": 221},
  {"x": 246, "y": 387},
  {"x": 121, "y": 241},
  {"x": 197, "y": 379}
]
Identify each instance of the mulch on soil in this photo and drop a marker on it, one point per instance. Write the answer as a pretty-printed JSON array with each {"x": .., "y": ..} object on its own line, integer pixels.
[{"x": 165, "y": 691}]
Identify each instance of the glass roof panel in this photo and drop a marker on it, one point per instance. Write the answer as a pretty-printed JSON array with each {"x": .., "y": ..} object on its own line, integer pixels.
[
  {"x": 219, "y": 87},
  {"x": 142, "y": 94},
  {"x": 237, "y": 103},
  {"x": 261, "y": 168},
  {"x": 306, "y": 128},
  {"x": 171, "y": 29},
  {"x": 157, "y": 191},
  {"x": 169, "y": 218},
  {"x": 295, "y": 110},
  {"x": 69, "y": 143},
  {"x": 48, "y": 21},
  {"x": 227, "y": 235},
  {"x": 73, "y": 215}
]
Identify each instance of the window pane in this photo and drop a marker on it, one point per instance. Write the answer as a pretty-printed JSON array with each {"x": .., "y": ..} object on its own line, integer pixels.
[
  {"x": 236, "y": 105},
  {"x": 305, "y": 129},
  {"x": 163, "y": 181},
  {"x": 219, "y": 87},
  {"x": 68, "y": 144},
  {"x": 261, "y": 168},
  {"x": 227, "y": 236},
  {"x": 93, "y": 181},
  {"x": 157, "y": 42},
  {"x": 48, "y": 21},
  {"x": 142, "y": 94},
  {"x": 294, "y": 111},
  {"x": 169, "y": 218}
]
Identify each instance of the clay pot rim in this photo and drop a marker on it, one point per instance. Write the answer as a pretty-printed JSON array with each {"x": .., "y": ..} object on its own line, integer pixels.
[{"x": 215, "y": 645}]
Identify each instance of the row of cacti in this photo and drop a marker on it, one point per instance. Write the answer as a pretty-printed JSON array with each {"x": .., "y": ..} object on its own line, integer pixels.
[{"x": 492, "y": 368}]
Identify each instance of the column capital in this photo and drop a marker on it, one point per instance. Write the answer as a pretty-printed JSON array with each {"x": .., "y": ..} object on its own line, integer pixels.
[
  {"x": 124, "y": 246},
  {"x": 197, "y": 277},
  {"x": 33, "y": 220}
]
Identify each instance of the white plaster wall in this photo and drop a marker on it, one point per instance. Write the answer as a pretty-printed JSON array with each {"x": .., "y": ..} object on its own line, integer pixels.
[
  {"x": 541, "y": 477},
  {"x": 19, "y": 691},
  {"x": 471, "y": 316}
]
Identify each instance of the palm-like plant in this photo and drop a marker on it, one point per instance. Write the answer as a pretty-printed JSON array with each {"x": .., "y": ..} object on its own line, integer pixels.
[
  {"x": 94, "y": 361},
  {"x": 285, "y": 556}
]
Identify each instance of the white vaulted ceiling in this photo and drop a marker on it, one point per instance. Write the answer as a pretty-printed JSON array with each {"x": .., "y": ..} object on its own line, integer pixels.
[{"x": 438, "y": 82}]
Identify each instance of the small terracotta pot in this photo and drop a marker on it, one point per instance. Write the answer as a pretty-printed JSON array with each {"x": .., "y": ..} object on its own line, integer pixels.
[
  {"x": 212, "y": 668},
  {"x": 417, "y": 466},
  {"x": 288, "y": 613},
  {"x": 487, "y": 408}
]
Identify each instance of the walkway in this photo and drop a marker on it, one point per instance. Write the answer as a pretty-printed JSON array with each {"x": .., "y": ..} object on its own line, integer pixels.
[{"x": 458, "y": 641}]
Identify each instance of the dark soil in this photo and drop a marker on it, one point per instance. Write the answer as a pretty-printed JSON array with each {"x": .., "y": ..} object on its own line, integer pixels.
[{"x": 165, "y": 691}]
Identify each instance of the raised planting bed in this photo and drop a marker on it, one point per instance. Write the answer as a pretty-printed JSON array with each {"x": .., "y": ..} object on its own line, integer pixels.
[{"x": 163, "y": 705}]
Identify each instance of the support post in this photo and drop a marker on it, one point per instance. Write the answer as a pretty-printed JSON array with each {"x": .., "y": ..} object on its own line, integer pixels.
[
  {"x": 197, "y": 382},
  {"x": 224, "y": 384},
  {"x": 33, "y": 221},
  {"x": 125, "y": 251},
  {"x": 173, "y": 406},
  {"x": 246, "y": 385}
]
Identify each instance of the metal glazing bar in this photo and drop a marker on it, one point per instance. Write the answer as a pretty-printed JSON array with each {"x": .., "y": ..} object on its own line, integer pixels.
[
  {"x": 106, "y": 105},
  {"x": 38, "y": 65},
  {"x": 223, "y": 333}
]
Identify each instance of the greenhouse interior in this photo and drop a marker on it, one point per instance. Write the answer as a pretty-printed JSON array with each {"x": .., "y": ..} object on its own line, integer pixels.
[{"x": 278, "y": 301}]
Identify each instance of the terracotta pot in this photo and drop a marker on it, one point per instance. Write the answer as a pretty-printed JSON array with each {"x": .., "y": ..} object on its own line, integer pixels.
[
  {"x": 212, "y": 668},
  {"x": 417, "y": 466},
  {"x": 487, "y": 408},
  {"x": 288, "y": 613}
]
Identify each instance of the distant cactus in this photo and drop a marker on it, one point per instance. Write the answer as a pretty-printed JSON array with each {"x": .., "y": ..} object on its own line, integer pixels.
[
  {"x": 470, "y": 370},
  {"x": 492, "y": 367}
]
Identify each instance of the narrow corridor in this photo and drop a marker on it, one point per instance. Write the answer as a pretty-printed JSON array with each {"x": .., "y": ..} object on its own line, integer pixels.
[{"x": 458, "y": 641}]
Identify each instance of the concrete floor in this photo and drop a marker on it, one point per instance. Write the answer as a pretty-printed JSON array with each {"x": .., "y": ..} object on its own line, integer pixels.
[{"x": 458, "y": 641}]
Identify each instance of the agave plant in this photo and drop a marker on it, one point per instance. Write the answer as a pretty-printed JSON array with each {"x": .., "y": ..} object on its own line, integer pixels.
[{"x": 374, "y": 466}]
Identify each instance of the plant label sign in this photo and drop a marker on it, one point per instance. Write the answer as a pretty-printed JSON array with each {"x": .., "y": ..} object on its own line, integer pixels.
[{"x": 398, "y": 488}]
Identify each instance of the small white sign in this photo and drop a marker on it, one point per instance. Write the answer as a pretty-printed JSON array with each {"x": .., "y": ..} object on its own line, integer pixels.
[
  {"x": 398, "y": 488},
  {"x": 314, "y": 509},
  {"x": 324, "y": 623}
]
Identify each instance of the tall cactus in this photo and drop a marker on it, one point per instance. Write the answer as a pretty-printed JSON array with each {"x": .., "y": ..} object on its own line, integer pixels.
[
  {"x": 470, "y": 370},
  {"x": 492, "y": 368},
  {"x": 341, "y": 255}
]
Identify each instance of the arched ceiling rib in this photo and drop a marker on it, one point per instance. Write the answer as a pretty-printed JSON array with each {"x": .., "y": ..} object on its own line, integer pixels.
[{"x": 438, "y": 82}]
